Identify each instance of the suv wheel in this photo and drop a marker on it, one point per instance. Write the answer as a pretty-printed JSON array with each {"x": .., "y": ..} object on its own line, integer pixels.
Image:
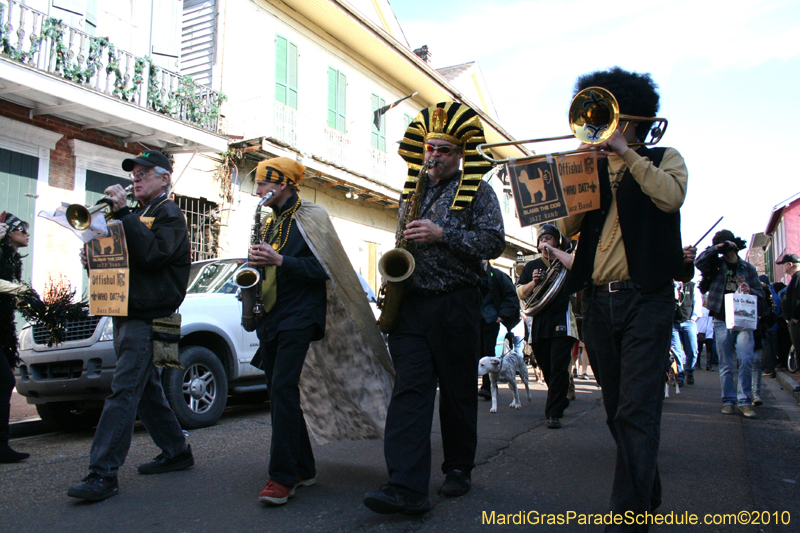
[
  {"x": 68, "y": 416},
  {"x": 199, "y": 392}
]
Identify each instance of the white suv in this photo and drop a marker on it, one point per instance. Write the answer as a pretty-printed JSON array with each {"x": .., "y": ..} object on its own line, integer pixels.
[{"x": 69, "y": 382}]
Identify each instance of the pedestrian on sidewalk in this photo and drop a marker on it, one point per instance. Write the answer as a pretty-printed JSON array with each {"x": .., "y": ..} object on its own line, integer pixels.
[
  {"x": 13, "y": 236},
  {"x": 724, "y": 272}
]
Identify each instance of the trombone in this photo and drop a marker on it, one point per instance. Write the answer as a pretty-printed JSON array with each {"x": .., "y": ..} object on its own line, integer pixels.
[
  {"x": 593, "y": 117},
  {"x": 80, "y": 216}
]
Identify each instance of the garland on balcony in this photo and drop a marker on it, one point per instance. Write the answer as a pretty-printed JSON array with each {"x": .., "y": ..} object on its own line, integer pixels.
[{"x": 185, "y": 102}]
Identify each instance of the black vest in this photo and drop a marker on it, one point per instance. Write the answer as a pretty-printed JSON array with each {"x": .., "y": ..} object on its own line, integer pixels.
[
  {"x": 652, "y": 238},
  {"x": 684, "y": 308}
]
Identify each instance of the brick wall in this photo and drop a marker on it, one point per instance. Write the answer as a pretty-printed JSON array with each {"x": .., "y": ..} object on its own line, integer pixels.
[{"x": 62, "y": 165}]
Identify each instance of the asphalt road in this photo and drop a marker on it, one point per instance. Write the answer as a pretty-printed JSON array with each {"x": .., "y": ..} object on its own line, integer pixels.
[{"x": 710, "y": 463}]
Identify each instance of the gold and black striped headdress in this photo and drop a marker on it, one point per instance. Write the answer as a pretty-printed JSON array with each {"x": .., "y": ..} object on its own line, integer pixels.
[{"x": 453, "y": 122}]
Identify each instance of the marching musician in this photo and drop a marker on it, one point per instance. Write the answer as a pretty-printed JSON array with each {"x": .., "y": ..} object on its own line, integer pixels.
[
  {"x": 628, "y": 255},
  {"x": 159, "y": 260},
  {"x": 310, "y": 293},
  {"x": 436, "y": 337},
  {"x": 553, "y": 332}
]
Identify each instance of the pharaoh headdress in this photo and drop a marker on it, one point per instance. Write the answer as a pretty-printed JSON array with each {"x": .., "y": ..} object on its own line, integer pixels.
[{"x": 453, "y": 122}]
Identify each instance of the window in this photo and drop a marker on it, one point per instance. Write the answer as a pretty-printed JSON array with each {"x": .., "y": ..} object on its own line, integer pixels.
[
  {"x": 286, "y": 72},
  {"x": 378, "y": 138},
  {"x": 337, "y": 92},
  {"x": 406, "y": 121}
]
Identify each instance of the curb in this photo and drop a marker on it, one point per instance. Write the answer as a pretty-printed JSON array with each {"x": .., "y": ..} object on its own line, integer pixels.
[{"x": 788, "y": 383}]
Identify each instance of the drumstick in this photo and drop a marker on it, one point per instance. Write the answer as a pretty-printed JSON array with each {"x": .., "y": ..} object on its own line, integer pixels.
[{"x": 706, "y": 233}]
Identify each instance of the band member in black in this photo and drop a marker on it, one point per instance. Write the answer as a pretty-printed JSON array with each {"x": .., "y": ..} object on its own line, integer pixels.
[
  {"x": 436, "y": 337},
  {"x": 553, "y": 332}
]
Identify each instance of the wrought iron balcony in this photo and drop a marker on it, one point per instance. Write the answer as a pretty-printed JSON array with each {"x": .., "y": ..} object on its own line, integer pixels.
[{"x": 96, "y": 64}]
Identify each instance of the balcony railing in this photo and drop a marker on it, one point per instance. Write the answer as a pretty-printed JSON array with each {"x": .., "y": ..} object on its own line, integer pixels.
[{"x": 94, "y": 62}]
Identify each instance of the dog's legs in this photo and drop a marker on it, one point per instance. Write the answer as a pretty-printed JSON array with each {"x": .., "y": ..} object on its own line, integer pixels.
[
  {"x": 515, "y": 403},
  {"x": 524, "y": 376},
  {"x": 493, "y": 382}
]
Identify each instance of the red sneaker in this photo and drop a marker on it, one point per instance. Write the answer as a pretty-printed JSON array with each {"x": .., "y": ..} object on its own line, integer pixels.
[{"x": 275, "y": 493}]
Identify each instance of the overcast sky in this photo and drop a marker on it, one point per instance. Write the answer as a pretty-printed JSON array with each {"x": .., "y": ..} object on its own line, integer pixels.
[{"x": 728, "y": 74}]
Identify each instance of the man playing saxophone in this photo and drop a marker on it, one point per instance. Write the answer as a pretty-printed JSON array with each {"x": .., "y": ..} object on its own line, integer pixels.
[
  {"x": 310, "y": 292},
  {"x": 436, "y": 337}
]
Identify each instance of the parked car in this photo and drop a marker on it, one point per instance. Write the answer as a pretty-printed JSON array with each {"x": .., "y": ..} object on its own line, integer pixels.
[{"x": 69, "y": 382}]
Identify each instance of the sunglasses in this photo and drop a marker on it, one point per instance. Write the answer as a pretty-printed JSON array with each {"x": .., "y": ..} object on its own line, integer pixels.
[{"x": 445, "y": 150}]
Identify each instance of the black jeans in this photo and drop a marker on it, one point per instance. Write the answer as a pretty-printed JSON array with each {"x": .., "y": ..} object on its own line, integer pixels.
[
  {"x": 436, "y": 340},
  {"x": 290, "y": 454},
  {"x": 7, "y": 383},
  {"x": 628, "y": 334},
  {"x": 553, "y": 356}
]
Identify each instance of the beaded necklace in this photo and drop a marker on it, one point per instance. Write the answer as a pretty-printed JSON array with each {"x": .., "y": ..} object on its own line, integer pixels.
[
  {"x": 277, "y": 228},
  {"x": 613, "y": 234}
]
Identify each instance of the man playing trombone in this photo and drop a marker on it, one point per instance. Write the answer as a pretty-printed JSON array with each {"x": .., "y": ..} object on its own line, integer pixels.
[{"x": 628, "y": 254}]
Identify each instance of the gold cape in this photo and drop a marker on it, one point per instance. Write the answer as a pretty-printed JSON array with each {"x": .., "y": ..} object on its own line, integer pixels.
[{"x": 346, "y": 383}]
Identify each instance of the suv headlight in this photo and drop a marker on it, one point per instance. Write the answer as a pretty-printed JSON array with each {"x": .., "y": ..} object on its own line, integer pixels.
[
  {"x": 108, "y": 330},
  {"x": 26, "y": 339}
]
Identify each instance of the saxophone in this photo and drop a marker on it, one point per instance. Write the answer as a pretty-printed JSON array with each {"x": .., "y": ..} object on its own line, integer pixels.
[
  {"x": 398, "y": 264},
  {"x": 248, "y": 279}
]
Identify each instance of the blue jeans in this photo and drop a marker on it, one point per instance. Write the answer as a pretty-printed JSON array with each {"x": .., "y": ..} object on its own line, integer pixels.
[
  {"x": 741, "y": 343},
  {"x": 758, "y": 367},
  {"x": 677, "y": 349},
  {"x": 136, "y": 389},
  {"x": 688, "y": 333},
  {"x": 627, "y": 334}
]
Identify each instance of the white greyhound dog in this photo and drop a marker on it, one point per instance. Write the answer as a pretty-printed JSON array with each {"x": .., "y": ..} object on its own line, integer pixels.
[{"x": 504, "y": 369}]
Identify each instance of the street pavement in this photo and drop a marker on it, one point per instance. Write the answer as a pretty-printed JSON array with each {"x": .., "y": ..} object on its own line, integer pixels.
[{"x": 709, "y": 462}]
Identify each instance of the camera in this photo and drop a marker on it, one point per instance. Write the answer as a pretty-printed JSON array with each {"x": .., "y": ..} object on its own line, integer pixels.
[{"x": 727, "y": 247}]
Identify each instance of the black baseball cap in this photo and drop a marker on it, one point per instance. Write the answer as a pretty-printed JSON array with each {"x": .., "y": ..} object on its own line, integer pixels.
[
  {"x": 148, "y": 158},
  {"x": 788, "y": 258}
]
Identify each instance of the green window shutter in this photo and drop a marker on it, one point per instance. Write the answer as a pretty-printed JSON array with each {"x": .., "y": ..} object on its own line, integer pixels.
[
  {"x": 333, "y": 77},
  {"x": 281, "y": 68},
  {"x": 341, "y": 104},
  {"x": 292, "y": 61},
  {"x": 406, "y": 121}
]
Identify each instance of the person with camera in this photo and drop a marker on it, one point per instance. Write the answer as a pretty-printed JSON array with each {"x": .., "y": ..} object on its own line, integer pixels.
[{"x": 725, "y": 272}]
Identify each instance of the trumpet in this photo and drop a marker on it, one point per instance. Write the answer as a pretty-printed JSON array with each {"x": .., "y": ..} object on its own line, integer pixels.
[
  {"x": 80, "y": 216},
  {"x": 593, "y": 117}
]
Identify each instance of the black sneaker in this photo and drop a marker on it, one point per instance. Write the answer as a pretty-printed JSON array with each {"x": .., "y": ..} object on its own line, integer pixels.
[
  {"x": 554, "y": 423},
  {"x": 690, "y": 380},
  {"x": 394, "y": 499},
  {"x": 95, "y": 487},
  {"x": 161, "y": 464},
  {"x": 456, "y": 483},
  {"x": 486, "y": 394}
]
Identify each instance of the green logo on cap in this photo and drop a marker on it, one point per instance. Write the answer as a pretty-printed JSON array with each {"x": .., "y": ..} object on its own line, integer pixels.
[{"x": 143, "y": 155}]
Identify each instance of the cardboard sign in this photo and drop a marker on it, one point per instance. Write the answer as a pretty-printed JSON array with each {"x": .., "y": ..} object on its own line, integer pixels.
[
  {"x": 537, "y": 192},
  {"x": 578, "y": 175},
  {"x": 109, "y": 275}
]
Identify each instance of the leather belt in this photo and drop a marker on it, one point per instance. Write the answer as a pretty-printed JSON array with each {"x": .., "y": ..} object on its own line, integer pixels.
[{"x": 615, "y": 286}]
